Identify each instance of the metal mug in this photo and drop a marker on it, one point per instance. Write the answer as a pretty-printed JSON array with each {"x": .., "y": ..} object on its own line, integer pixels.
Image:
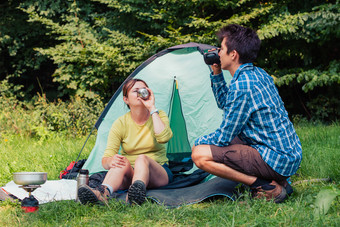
[{"x": 143, "y": 93}]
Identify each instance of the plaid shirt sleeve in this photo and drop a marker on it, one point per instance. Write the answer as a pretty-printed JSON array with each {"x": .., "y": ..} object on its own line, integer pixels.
[{"x": 235, "y": 104}]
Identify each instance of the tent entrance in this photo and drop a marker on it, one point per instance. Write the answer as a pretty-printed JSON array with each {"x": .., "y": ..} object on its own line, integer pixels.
[{"x": 179, "y": 149}]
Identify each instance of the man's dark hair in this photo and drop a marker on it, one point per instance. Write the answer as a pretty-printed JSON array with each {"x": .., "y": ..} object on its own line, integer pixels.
[{"x": 244, "y": 40}]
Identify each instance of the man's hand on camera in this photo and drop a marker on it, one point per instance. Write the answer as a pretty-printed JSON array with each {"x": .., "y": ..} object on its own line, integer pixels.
[{"x": 216, "y": 68}]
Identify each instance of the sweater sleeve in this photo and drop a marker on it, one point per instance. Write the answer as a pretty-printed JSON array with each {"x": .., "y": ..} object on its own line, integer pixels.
[
  {"x": 166, "y": 134},
  {"x": 114, "y": 139}
]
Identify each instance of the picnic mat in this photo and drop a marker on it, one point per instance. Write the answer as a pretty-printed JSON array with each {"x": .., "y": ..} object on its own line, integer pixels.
[
  {"x": 57, "y": 190},
  {"x": 216, "y": 187}
]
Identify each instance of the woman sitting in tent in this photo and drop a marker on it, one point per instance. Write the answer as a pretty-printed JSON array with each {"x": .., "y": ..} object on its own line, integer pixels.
[{"x": 142, "y": 134}]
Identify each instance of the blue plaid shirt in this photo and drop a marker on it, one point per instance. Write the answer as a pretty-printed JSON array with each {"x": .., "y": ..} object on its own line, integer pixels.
[{"x": 254, "y": 111}]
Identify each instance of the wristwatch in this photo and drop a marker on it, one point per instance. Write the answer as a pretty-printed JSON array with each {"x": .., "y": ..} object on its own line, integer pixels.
[{"x": 154, "y": 111}]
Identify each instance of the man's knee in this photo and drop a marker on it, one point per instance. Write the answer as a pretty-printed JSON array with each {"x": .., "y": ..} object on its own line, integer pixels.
[
  {"x": 200, "y": 155},
  {"x": 195, "y": 154}
]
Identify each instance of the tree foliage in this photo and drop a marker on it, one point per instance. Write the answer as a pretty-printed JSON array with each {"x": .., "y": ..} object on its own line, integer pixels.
[
  {"x": 89, "y": 47},
  {"x": 19, "y": 63}
]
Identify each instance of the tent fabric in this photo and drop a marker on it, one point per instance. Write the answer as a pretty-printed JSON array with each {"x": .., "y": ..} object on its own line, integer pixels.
[
  {"x": 183, "y": 63},
  {"x": 200, "y": 47},
  {"x": 178, "y": 147}
]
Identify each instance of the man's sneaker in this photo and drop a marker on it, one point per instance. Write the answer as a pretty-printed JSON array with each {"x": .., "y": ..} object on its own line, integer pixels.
[
  {"x": 137, "y": 192},
  {"x": 270, "y": 191},
  {"x": 89, "y": 195}
]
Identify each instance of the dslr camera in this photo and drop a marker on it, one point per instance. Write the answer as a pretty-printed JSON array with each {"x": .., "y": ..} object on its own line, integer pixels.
[{"x": 212, "y": 57}]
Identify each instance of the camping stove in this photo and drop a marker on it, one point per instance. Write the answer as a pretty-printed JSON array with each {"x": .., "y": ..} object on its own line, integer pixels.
[
  {"x": 30, "y": 181},
  {"x": 30, "y": 203}
]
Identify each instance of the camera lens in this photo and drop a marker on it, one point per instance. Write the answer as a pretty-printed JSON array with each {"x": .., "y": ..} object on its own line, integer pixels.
[{"x": 212, "y": 57}]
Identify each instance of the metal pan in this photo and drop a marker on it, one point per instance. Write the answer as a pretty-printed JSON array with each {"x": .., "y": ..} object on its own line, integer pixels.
[{"x": 29, "y": 178}]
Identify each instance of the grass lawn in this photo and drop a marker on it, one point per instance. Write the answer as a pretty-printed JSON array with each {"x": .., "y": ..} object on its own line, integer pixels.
[{"x": 321, "y": 158}]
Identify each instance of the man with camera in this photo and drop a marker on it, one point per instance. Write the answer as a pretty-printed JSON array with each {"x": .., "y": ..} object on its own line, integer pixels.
[{"x": 256, "y": 143}]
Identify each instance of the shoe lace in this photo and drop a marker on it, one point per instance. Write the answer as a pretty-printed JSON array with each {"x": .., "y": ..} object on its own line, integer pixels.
[
  {"x": 268, "y": 187},
  {"x": 101, "y": 189}
]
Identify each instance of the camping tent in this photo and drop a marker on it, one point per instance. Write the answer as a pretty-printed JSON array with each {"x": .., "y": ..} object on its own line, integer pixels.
[{"x": 179, "y": 78}]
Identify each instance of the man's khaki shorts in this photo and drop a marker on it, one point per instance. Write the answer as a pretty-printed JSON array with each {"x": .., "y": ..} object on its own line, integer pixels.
[{"x": 245, "y": 159}]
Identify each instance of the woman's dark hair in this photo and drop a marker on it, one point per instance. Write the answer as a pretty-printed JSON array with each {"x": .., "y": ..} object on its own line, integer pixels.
[
  {"x": 244, "y": 40},
  {"x": 129, "y": 84}
]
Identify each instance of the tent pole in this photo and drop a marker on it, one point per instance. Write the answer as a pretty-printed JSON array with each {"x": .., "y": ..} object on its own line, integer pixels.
[{"x": 82, "y": 149}]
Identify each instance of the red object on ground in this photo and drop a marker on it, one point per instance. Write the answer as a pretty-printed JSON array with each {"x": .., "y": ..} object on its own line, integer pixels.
[
  {"x": 30, "y": 204},
  {"x": 30, "y": 209},
  {"x": 67, "y": 170}
]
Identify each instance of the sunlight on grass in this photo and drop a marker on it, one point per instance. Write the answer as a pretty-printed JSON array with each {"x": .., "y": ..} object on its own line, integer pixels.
[
  {"x": 26, "y": 154},
  {"x": 321, "y": 153}
]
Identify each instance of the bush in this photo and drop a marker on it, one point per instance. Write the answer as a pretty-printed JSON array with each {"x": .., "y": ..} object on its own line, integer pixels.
[
  {"x": 76, "y": 116},
  {"x": 41, "y": 118}
]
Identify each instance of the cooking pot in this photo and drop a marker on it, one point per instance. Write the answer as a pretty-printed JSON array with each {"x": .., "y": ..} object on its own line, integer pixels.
[{"x": 29, "y": 178}]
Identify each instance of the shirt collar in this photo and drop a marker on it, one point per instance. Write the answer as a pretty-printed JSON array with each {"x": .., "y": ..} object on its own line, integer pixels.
[{"x": 243, "y": 67}]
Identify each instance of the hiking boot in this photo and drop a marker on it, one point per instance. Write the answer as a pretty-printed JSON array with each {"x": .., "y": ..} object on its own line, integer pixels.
[
  {"x": 288, "y": 187},
  {"x": 88, "y": 195},
  {"x": 137, "y": 192},
  {"x": 270, "y": 191}
]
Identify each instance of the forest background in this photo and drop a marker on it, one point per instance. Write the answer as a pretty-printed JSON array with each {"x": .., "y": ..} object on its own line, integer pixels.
[{"x": 62, "y": 60}]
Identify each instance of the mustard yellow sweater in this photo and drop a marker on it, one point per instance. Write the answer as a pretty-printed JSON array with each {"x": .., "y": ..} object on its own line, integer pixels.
[{"x": 138, "y": 139}]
